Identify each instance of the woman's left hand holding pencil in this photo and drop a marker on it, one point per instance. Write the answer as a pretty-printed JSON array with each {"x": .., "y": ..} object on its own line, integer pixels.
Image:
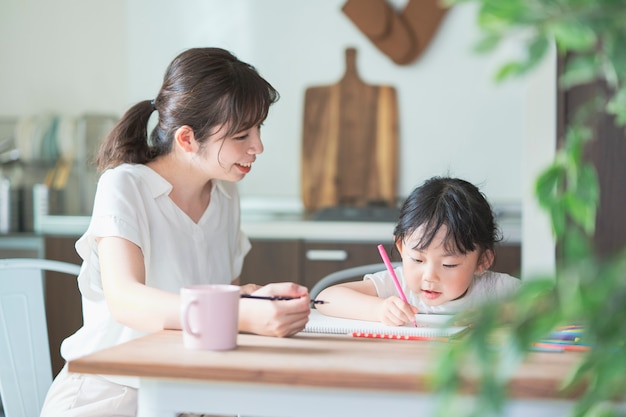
[{"x": 280, "y": 319}]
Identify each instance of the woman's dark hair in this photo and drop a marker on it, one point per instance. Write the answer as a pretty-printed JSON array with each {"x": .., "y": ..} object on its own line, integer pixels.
[
  {"x": 455, "y": 203},
  {"x": 203, "y": 88}
]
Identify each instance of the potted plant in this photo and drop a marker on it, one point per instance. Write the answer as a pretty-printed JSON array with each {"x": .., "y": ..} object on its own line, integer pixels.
[{"x": 590, "y": 36}]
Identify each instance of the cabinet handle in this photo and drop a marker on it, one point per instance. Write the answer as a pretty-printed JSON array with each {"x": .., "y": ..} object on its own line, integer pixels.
[{"x": 326, "y": 255}]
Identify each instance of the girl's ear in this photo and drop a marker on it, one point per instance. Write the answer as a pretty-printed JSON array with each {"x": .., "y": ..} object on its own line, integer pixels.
[
  {"x": 485, "y": 261},
  {"x": 398, "y": 245},
  {"x": 185, "y": 139}
]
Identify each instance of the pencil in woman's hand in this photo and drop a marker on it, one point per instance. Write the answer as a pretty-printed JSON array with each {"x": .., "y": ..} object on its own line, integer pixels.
[{"x": 277, "y": 298}]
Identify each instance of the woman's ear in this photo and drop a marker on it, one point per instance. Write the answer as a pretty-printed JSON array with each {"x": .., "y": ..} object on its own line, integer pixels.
[
  {"x": 485, "y": 261},
  {"x": 185, "y": 139}
]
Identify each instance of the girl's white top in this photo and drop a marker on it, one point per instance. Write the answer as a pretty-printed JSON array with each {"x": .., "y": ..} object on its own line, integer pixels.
[
  {"x": 488, "y": 286},
  {"x": 132, "y": 202}
]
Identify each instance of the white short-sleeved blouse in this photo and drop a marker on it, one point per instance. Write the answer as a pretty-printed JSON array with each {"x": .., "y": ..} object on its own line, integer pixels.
[
  {"x": 488, "y": 286},
  {"x": 132, "y": 202}
]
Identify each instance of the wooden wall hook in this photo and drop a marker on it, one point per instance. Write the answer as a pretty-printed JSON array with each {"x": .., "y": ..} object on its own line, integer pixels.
[{"x": 401, "y": 36}]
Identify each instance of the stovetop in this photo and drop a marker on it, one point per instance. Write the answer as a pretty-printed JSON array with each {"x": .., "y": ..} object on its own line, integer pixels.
[{"x": 357, "y": 214}]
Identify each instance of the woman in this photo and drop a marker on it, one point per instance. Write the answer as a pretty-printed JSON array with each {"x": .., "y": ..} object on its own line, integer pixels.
[{"x": 166, "y": 215}]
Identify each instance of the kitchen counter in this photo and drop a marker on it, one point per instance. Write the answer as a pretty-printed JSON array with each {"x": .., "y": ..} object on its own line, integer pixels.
[
  {"x": 272, "y": 218},
  {"x": 267, "y": 225}
]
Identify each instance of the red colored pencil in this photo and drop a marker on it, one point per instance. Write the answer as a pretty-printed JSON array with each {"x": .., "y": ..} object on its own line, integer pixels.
[{"x": 399, "y": 337}]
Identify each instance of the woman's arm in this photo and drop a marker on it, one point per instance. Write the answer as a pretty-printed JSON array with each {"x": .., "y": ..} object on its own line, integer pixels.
[
  {"x": 130, "y": 300},
  {"x": 149, "y": 309}
]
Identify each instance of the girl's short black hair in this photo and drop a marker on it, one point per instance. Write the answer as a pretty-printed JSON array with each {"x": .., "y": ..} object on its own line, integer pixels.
[{"x": 453, "y": 202}]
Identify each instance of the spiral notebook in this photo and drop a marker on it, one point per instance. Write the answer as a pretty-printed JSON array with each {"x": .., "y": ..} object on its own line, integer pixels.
[{"x": 428, "y": 325}]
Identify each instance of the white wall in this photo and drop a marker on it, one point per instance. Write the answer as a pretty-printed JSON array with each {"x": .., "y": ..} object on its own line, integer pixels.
[
  {"x": 65, "y": 56},
  {"x": 72, "y": 56},
  {"x": 539, "y": 148},
  {"x": 453, "y": 119}
]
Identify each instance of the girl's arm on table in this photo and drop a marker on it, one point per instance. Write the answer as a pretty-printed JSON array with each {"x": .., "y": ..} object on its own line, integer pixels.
[{"x": 359, "y": 300}]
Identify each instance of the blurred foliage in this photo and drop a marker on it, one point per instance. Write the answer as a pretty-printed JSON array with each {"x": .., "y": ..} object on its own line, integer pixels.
[{"x": 584, "y": 289}]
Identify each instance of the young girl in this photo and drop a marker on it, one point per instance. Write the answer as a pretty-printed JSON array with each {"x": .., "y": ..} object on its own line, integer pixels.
[
  {"x": 445, "y": 236},
  {"x": 166, "y": 215}
]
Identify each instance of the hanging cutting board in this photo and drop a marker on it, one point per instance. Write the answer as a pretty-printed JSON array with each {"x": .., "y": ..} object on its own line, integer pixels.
[{"x": 349, "y": 143}]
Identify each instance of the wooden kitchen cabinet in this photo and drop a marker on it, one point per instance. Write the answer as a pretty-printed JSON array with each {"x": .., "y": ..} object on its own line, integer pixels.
[
  {"x": 302, "y": 261},
  {"x": 307, "y": 262},
  {"x": 323, "y": 258},
  {"x": 272, "y": 260},
  {"x": 508, "y": 259},
  {"x": 63, "y": 302}
]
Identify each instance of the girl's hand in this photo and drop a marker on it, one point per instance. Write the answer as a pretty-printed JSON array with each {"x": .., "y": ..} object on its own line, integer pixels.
[
  {"x": 278, "y": 318},
  {"x": 395, "y": 312}
]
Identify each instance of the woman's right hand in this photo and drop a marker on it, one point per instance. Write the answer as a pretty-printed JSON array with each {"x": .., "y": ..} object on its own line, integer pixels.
[{"x": 278, "y": 318}]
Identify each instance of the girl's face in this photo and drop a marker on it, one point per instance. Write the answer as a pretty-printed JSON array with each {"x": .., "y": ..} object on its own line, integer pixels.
[
  {"x": 435, "y": 274},
  {"x": 230, "y": 158}
]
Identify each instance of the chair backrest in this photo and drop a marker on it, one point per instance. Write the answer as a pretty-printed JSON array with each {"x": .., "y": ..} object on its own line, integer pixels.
[
  {"x": 25, "y": 368},
  {"x": 348, "y": 274}
]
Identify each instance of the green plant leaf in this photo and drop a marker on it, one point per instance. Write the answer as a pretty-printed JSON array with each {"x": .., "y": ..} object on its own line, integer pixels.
[
  {"x": 588, "y": 192},
  {"x": 581, "y": 211},
  {"x": 487, "y": 43},
  {"x": 498, "y": 16},
  {"x": 614, "y": 57},
  {"x": 510, "y": 69},
  {"x": 617, "y": 106},
  {"x": 548, "y": 183},
  {"x": 572, "y": 35},
  {"x": 537, "y": 48},
  {"x": 602, "y": 409},
  {"x": 580, "y": 70}
]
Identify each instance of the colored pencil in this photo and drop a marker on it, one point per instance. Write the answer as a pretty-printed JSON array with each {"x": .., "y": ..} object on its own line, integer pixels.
[
  {"x": 277, "y": 298},
  {"x": 383, "y": 254},
  {"x": 399, "y": 337},
  {"x": 565, "y": 347}
]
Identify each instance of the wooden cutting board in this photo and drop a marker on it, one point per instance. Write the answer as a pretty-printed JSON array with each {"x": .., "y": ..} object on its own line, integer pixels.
[{"x": 349, "y": 143}]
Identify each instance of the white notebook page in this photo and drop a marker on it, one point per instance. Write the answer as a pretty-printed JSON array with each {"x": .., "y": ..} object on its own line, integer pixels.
[{"x": 427, "y": 325}]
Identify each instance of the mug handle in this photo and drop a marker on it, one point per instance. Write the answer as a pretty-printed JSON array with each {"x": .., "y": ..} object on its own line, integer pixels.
[{"x": 185, "y": 319}]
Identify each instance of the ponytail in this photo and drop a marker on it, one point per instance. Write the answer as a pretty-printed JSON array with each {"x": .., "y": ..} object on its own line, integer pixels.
[{"x": 128, "y": 140}]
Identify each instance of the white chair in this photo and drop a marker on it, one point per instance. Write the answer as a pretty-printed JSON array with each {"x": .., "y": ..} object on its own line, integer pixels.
[
  {"x": 348, "y": 274},
  {"x": 25, "y": 367}
]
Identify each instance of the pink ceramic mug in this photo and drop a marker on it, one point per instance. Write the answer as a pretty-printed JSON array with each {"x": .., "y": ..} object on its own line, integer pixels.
[{"x": 209, "y": 316}]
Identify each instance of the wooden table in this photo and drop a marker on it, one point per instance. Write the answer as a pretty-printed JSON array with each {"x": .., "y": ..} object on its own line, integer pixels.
[{"x": 308, "y": 375}]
